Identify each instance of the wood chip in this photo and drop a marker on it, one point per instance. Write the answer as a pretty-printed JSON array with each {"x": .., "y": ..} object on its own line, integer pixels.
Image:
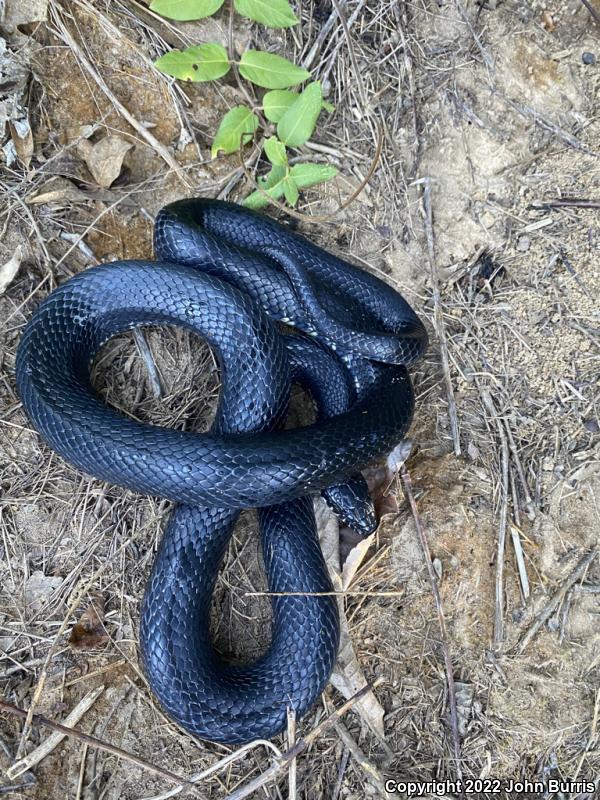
[
  {"x": 10, "y": 269},
  {"x": 22, "y": 138}
]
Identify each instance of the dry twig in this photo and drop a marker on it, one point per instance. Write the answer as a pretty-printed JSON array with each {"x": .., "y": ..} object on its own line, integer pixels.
[
  {"x": 556, "y": 599},
  {"x": 92, "y": 741},
  {"x": 440, "y": 327},
  {"x": 503, "y": 521}
]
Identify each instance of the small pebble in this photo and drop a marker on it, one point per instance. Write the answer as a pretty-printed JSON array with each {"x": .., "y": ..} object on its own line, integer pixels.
[
  {"x": 523, "y": 244},
  {"x": 588, "y": 58}
]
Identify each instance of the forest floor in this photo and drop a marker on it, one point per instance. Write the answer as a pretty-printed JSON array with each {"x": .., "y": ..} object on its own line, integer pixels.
[{"x": 483, "y": 211}]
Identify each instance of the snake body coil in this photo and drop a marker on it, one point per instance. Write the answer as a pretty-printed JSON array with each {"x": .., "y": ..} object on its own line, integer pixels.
[{"x": 230, "y": 275}]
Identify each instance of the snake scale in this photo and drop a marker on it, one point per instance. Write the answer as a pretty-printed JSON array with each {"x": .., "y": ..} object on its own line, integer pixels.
[{"x": 232, "y": 276}]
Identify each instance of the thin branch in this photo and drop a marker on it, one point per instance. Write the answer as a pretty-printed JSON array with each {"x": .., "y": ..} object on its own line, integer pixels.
[
  {"x": 293, "y": 767},
  {"x": 503, "y": 521},
  {"x": 592, "y": 11},
  {"x": 566, "y": 202},
  {"x": 438, "y": 313},
  {"x": 357, "y": 72},
  {"x": 47, "y": 746},
  {"x": 92, "y": 741}
]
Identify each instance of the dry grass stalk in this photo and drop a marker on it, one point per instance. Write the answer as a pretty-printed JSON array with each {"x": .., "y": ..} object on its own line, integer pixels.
[
  {"x": 438, "y": 313},
  {"x": 301, "y": 746}
]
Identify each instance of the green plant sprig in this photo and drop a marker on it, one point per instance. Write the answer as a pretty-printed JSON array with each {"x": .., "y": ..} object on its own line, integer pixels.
[{"x": 294, "y": 112}]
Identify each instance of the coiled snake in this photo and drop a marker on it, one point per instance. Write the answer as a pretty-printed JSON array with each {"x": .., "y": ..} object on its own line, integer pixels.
[{"x": 231, "y": 275}]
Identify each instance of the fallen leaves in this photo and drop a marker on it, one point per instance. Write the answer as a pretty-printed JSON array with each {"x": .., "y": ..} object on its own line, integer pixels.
[
  {"x": 104, "y": 158},
  {"x": 89, "y": 632},
  {"x": 57, "y": 190},
  {"x": 14, "y": 79},
  {"x": 354, "y": 559}
]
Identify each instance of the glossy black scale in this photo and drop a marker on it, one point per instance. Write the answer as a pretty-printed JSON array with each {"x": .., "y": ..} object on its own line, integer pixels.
[{"x": 231, "y": 276}]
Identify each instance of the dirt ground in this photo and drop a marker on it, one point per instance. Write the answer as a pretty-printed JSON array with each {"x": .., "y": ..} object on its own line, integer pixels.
[{"x": 483, "y": 211}]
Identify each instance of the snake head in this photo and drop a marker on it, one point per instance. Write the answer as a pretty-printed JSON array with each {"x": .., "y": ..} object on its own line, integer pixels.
[{"x": 352, "y": 504}]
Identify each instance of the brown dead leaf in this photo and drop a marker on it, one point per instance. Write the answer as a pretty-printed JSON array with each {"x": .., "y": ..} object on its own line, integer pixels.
[
  {"x": 104, "y": 159},
  {"x": 9, "y": 270},
  {"x": 548, "y": 22},
  {"x": 347, "y": 676},
  {"x": 379, "y": 482},
  {"x": 89, "y": 632}
]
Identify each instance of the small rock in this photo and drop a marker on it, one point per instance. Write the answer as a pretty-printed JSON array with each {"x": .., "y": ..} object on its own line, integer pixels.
[
  {"x": 588, "y": 58},
  {"x": 523, "y": 244},
  {"x": 39, "y": 588},
  {"x": 591, "y": 425}
]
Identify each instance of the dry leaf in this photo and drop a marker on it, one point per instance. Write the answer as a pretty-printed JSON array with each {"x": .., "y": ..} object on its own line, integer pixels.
[
  {"x": 347, "y": 676},
  {"x": 9, "y": 270},
  {"x": 354, "y": 560},
  {"x": 20, "y": 132},
  {"x": 105, "y": 158},
  {"x": 348, "y": 679},
  {"x": 89, "y": 633}
]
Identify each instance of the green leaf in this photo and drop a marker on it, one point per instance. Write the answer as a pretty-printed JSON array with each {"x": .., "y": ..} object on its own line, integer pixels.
[
  {"x": 275, "y": 151},
  {"x": 277, "y": 102},
  {"x": 329, "y": 107},
  {"x": 270, "y": 71},
  {"x": 306, "y": 175},
  {"x": 272, "y": 184},
  {"x": 185, "y": 10},
  {"x": 290, "y": 190},
  {"x": 298, "y": 123},
  {"x": 272, "y": 13},
  {"x": 273, "y": 178},
  {"x": 237, "y": 124},
  {"x": 203, "y": 62}
]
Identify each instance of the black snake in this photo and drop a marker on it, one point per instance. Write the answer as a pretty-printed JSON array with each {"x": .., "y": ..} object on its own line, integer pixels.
[{"x": 232, "y": 275}]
